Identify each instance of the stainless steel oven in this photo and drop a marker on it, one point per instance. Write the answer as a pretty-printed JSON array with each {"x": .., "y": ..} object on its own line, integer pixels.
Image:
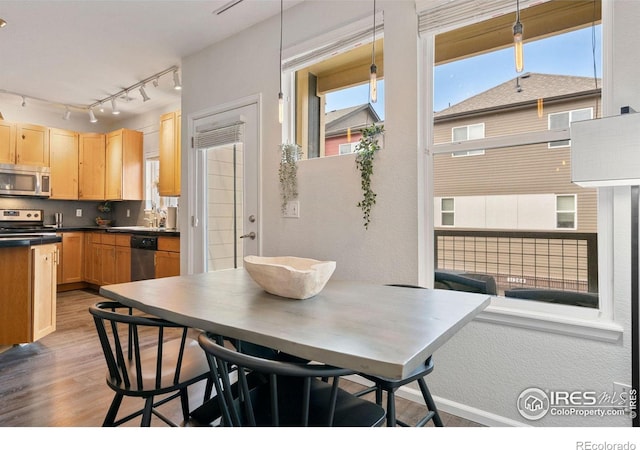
[
  {"x": 143, "y": 253},
  {"x": 21, "y": 180}
]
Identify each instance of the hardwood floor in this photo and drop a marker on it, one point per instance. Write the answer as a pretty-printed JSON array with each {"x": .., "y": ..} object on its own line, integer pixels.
[{"x": 59, "y": 380}]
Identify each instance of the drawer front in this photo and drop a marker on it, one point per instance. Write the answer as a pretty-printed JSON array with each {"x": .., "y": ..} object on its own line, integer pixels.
[
  {"x": 169, "y": 244},
  {"x": 123, "y": 240}
]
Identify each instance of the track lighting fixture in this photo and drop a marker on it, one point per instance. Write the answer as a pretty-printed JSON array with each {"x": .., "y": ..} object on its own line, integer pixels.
[
  {"x": 176, "y": 81},
  {"x": 114, "y": 107},
  {"x": 1, "y": 116},
  {"x": 155, "y": 82},
  {"x": 24, "y": 101},
  {"x": 3, "y": 23},
  {"x": 373, "y": 73},
  {"x": 67, "y": 113},
  {"x": 92, "y": 116},
  {"x": 144, "y": 95}
]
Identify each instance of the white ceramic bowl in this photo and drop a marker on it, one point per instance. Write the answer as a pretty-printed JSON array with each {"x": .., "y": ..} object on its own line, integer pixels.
[{"x": 289, "y": 276}]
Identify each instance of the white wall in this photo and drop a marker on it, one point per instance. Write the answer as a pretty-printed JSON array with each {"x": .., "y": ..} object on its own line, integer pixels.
[{"x": 486, "y": 366}]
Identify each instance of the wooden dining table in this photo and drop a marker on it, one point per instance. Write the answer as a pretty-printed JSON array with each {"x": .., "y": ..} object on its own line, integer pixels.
[{"x": 379, "y": 330}]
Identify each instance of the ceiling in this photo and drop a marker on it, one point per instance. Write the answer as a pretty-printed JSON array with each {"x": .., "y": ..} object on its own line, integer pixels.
[{"x": 75, "y": 53}]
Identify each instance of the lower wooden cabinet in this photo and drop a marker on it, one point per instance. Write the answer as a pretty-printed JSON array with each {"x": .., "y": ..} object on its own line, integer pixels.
[
  {"x": 71, "y": 249},
  {"x": 28, "y": 292},
  {"x": 108, "y": 258},
  {"x": 167, "y": 258}
]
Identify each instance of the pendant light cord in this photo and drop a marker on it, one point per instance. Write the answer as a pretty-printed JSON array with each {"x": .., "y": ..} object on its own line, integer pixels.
[{"x": 373, "y": 43}]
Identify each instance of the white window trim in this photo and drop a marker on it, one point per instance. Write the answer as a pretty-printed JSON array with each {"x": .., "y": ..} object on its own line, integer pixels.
[
  {"x": 596, "y": 324},
  {"x": 574, "y": 211},
  {"x": 570, "y": 112},
  {"x": 451, "y": 211}
]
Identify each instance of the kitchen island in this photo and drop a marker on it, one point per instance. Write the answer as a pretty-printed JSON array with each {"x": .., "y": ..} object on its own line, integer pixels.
[{"x": 27, "y": 288}]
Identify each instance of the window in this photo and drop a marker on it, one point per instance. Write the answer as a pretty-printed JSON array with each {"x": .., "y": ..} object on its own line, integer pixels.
[
  {"x": 467, "y": 132},
  {"x": 510, "y": 222},
  {"x": 345, "y": 149},
  {"x": 566, "y": 211},
  {"x": 564, "y": 119},
  {"x": 151, "y": 195},
  {"x": 332, "y": 95},
  {"x": 447, "y": 211}
]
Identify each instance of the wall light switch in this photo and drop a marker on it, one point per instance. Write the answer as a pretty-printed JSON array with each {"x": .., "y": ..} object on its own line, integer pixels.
[
  {"x": 78, "y": 213},
  {"x": 292, "y": 210}
]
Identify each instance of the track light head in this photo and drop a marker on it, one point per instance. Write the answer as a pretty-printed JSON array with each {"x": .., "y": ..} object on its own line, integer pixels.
[
  {"x": 24, "y": 101},
  {"x": 114, "y": 107},
  {"x": 67, "y": 114},
  {"x": 3, "y": 23},
  {"x": 144, "y": 95},
  {"x": 92, "y": 116},
  {"x": 155, "y": 82},
  {"x": 176, "y": 81}
]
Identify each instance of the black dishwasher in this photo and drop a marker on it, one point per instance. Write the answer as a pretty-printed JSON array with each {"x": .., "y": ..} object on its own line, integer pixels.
[{"x": 143, "y": 251}]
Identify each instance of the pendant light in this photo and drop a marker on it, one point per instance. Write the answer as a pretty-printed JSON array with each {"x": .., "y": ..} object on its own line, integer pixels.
[
  {"x": 373, "y": 75},
  {"x": 518, "y": 28},
  {"x": 280, "y": 96}
]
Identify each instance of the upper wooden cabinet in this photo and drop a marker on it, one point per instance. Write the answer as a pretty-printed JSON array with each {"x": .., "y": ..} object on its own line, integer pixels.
[
  {"x": 24, "y": 144},
  {"x": 7, "y": 142},
  {"x": 91, "y": 156},
  {"x": 63, "y": 147},
  {"x": 32, "y": 145},
  {"x": 124, "y": 162},
  {"x": 170, "y": 138}
]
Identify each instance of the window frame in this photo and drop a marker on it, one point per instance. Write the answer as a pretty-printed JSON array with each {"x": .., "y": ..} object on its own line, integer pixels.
[
  {"x": 565, "y": 211},
  {"x": 589, "y": 323},
  {"x": 451, "y": 212},
  {"x": 567, "y": 143}
]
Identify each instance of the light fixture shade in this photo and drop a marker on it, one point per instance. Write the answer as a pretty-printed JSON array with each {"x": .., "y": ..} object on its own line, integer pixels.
[
  {"x": 92, "y": 116},
  {"x": 176, "y": 81},
  {"x": 280, "y": 107},
  {"x": 114, "y": 107},
  {"x": 144, "y": 95},
  {"x": 518, "y": 29},
  {"x": 606, "y": 152},
  {"x": 373, "y": 84}
]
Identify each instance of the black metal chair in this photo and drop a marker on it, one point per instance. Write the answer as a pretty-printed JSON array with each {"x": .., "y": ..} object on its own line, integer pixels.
[
  {"x": 390, "y": 386},
  {"x": 254, "y": 391},
  {"x": 148, "y": 358}
]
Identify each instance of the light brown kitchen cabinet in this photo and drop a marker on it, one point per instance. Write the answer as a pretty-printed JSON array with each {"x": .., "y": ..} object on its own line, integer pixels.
[
  {"x": 7, "y": 142},
  {"x": 91, "y": 166},
  {"x": 124, "y": 165},
  {"x": 107, "y": 258},
  {"x": 32, "y": 145},
  {"x": 170, "y": 142},
  {"x": 71, "y": 257},
  {"x": 28, "y": 292},
  {"x": 167, "y": 257},
  {"x": 123, "y": 258},
  {"x": 63, "y": 149}
]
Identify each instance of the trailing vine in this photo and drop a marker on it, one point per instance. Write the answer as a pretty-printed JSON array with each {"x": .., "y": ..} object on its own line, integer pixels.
[
  {"x": 366, "y": 150},
  {"x": 288, "y": 172}
]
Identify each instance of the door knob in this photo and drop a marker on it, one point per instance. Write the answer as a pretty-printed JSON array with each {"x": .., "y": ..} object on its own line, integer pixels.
[{"x": 251, "y": 236}]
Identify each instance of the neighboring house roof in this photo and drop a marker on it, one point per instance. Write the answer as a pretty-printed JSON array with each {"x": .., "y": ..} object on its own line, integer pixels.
[
  {"x": 527, "y": 88},
  {"x": 354, "y": 117}
]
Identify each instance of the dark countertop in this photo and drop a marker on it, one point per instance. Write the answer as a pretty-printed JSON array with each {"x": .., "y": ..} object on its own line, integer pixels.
[
  {"x": 129, "y": 230},
  {"x": 23, "y": 241}
]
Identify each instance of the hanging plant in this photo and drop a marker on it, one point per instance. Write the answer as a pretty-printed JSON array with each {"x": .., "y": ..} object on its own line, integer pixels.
[
  {"x": 366, "y": 151},
  {"x": 288, "y": 172}
]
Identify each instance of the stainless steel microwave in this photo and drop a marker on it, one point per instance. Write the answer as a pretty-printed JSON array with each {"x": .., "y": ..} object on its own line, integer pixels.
[{"x": 31, "y": 181}]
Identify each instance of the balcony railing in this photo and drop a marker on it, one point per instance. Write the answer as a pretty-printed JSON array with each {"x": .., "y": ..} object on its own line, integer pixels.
[{"x": 516, "y": 259}]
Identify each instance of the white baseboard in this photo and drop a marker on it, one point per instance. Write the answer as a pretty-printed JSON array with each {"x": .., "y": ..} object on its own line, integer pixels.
[{"x": 457, "y": 409}]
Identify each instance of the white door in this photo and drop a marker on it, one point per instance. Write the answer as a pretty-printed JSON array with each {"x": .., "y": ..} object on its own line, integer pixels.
[{"x": 227, "y": 174}]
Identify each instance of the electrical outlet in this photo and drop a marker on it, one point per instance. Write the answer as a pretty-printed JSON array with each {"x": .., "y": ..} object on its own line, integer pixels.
[
  {"x": 292, "y": 210},
  {"x": 128, "y": 213},
  {"x": 78, "y": 213}
]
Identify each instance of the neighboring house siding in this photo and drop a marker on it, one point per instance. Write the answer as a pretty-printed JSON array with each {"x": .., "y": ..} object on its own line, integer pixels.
[
  {"x": 534, "y": 169},
  {"x": 332, "y": 144}
]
